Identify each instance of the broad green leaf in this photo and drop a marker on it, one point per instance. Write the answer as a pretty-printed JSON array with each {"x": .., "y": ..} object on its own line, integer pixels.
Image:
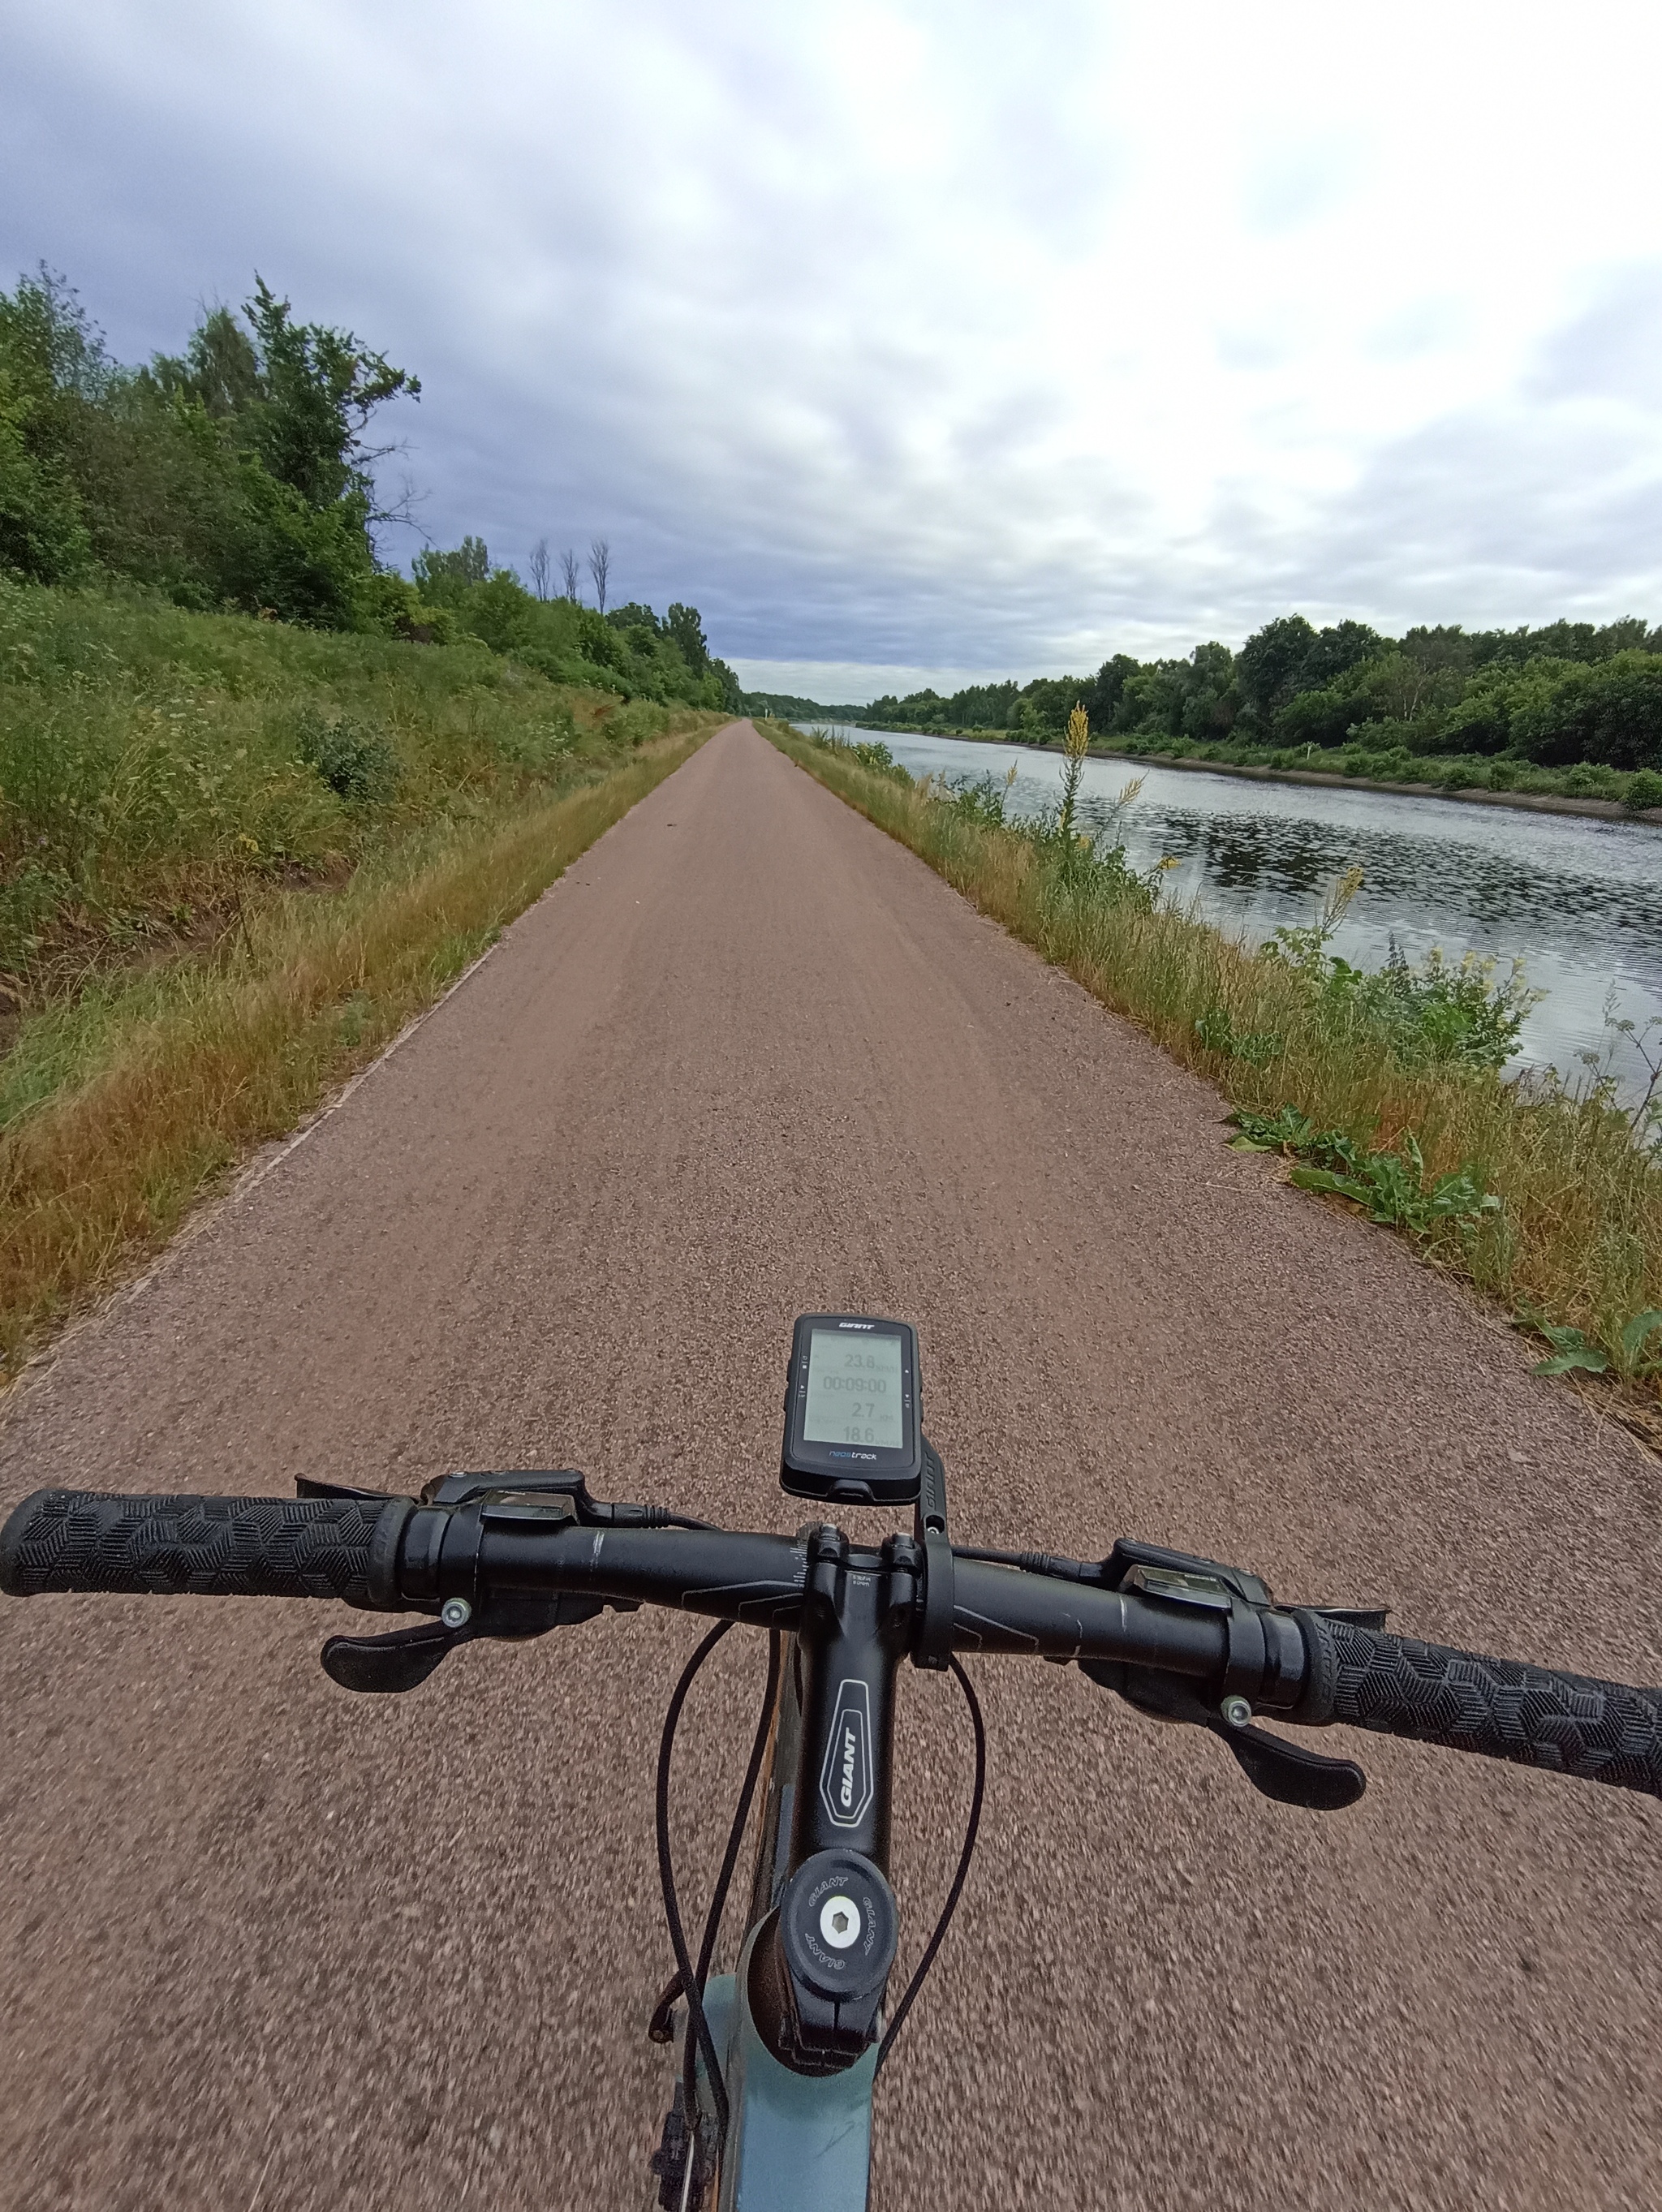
[
  {"x": 1586, "y": 1356},
  {"x": 1566, "y": 1339},
  {"x": 1642, "y": 1325},
  {"x": 1324, "y": 1179}
]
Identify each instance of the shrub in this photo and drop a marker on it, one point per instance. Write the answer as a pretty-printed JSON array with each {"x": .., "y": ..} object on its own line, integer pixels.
[
  {"x": 1610, "y": 712},
  {"x": 358, "y": 764},
  {"x": 1644, "y": 791}
]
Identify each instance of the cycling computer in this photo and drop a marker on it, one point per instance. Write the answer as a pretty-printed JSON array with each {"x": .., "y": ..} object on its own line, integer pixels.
[{"x": 854, "y": 1412}]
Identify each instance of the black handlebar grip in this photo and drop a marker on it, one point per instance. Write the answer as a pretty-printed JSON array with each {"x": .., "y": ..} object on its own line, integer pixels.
[
  {"x": 329, "y": 1548},
  {"x": 1566, "y": 1724}
]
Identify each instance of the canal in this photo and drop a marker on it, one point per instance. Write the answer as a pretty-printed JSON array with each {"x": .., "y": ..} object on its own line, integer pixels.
[{"x": 1578, "y": 901}]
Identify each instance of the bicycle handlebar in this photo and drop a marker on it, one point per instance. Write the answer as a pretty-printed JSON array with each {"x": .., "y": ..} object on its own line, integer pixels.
[
  {"x": 401, "y": 1555},
  {"x": 330, "y": 1547},
  {"x": 1502, "y": 1708}
]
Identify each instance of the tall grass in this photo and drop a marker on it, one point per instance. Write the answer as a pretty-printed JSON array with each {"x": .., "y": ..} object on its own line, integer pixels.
[
  {"x": 158, "y": 767},
  {"x": 121, "y": 1106},
  {"x": 235, "y": 857},
  {"x": 1577, "y": 1238}
]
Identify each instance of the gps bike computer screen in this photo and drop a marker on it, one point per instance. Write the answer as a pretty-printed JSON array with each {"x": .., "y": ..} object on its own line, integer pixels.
[
  {"x": 854, "y": 1390},
  {"x": 853, "y": 1411}
]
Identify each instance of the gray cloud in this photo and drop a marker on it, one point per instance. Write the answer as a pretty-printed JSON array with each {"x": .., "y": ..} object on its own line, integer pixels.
[{"x": 844, "y": 331}]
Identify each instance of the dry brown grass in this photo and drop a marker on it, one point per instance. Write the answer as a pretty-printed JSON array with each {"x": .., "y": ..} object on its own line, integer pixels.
[
  {"x": 166, "y": 1082},
  {"x": 1578, "y": 1237}
]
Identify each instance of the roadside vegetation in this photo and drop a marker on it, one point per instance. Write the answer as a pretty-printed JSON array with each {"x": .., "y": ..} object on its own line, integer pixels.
[
  {"x": 1570, "y": 709},
  {"x": 1386, "y": 1089},
  {"x": 245, "y": 474},
  {"x": 234, "y": 870},
  {"x": 261, "y": 796},
  {"x": 160, "y": 769}
]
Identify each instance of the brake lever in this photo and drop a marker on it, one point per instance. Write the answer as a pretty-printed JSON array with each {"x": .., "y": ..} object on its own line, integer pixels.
[
  {"x": 1286, "y": 1772},
  {"x": 1291, "y": 1774},
  {"x": 386, "y": 1664}
]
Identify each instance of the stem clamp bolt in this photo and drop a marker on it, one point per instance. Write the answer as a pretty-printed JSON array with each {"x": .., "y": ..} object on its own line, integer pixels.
[
  {"x": 456, "y": 1613},
  {"x": 1236, "y": 1712}
]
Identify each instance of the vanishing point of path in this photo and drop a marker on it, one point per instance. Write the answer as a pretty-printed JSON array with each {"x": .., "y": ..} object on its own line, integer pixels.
[{"x": 270, "y": 1948}]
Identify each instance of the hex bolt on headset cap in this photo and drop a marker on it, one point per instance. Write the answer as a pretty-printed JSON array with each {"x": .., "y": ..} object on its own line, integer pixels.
[{"x": 838, "y": 1925}]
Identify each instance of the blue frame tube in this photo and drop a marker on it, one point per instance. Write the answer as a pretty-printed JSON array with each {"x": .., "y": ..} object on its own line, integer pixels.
[{"x": 796, "y": 2143}]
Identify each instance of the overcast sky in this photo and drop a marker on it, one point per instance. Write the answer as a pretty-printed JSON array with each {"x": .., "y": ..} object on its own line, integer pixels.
[{"x": 926, "y": 340}]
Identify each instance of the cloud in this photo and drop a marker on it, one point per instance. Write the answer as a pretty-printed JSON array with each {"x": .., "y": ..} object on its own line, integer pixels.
[{"x": 925, "y": 336}]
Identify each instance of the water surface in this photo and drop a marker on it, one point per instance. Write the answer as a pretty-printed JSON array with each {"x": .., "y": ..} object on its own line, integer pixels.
[{"x": 1579, "y": 900}]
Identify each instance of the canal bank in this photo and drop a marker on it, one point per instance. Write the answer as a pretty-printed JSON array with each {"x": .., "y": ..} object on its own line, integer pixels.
[
  {"x": 1535, "y": 802},
  {"x": 1577, "y": 897}
]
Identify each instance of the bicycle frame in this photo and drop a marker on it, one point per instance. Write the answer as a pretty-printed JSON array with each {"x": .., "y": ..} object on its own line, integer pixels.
[{"x": 795, "y": 2140}]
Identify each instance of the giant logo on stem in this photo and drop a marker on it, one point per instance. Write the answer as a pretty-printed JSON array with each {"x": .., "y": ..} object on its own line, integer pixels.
[{"x": 846, "y": 1780}]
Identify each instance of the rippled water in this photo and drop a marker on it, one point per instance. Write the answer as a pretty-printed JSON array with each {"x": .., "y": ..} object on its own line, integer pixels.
[{"x": 1579, "y": 899}]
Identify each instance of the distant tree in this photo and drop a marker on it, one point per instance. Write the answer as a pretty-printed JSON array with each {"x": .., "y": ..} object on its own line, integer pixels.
[
  {"x": 1611, "y": 712},
  {"x": 688, "y": 631},
  {"x": 1268, "y": 665},
  {"x": 569, "y": 577},
  {"x": 1337, "y": 650},
  {"x": 1154, "y": 698},
  {"x": 635, "y": 615},
  {"x": 600, "y": 568},
  {"x": 538, "y": 565},
  {"x": 219, "y": 369},
  {"x": 1448, "y": 645},
  {"x": 1111, "y": 681},
  {"x": 1210, "y": 695},
  {"x": 446, "y": 578},
  {"x": 318, "y": 388}
]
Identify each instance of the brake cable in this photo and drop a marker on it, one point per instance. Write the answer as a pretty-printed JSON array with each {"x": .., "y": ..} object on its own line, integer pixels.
[
  {"x": 971, "y": 1827},
  {"x": 699, "y": 2039},
  {"x": 730, "y": 1857}
]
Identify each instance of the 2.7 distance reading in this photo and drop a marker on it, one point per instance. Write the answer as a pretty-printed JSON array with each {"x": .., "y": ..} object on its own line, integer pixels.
[{"x": 853, "y": 1394}]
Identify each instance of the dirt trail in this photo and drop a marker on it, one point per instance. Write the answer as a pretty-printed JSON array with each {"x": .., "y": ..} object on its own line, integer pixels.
[{"x": 270, "y": 1947}]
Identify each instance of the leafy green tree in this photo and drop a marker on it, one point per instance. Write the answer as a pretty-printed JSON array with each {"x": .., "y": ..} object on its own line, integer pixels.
[
  {"x": 1211, "y": 698},
  {"x": 1318, "y": 718},
  {"x": 688, "y": 631},
  {"x": 237, "y": 472},
  {"x": 219, "y": 369},
  {"x": 1107, "y": 687},
  {"x": 1336, "y": 651},
  {"x": 51, "y": 365},
  {"x": 1151, "y": 704},
  {"x": 1610, "y": 713},
  {"x": 445, "y": 579},
  {"x": 1447, "y": 646},
  {"x": 316, "y": 391},
  {"x": 1269, "y": 666}
]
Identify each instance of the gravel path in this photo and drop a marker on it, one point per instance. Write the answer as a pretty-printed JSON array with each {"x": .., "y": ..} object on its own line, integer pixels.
[{"x": 270, "y": 1947}]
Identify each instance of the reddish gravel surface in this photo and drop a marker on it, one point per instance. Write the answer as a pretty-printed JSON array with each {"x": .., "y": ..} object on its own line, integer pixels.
[{"x": 271, "y": 1946}]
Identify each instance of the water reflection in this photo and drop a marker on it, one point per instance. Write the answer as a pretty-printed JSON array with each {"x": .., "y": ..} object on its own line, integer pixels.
[{"x": 1579, "y": 900}]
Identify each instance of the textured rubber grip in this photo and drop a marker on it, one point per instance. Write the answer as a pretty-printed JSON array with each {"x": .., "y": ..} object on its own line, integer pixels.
[
  {"x": 329, "y": 1548},
  {"x": 1601, "y": 1731}
]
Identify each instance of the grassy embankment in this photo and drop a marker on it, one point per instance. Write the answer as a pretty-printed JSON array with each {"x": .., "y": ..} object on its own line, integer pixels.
[
  {"x": 1447, "y": 774},
  {"x": 1363, "y": 1087},
  {"x": 235, "y": 858}
]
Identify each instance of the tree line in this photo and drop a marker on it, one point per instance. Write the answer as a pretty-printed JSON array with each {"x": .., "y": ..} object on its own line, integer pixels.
[
  {"x": 1564, "y": 692},
  {"x": 240, "y": 474},
  {"x": 628, "y": 648}
]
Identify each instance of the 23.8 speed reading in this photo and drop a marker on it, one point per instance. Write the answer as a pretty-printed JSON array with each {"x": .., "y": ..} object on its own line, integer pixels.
[{"x": 854, "y": 1390}]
